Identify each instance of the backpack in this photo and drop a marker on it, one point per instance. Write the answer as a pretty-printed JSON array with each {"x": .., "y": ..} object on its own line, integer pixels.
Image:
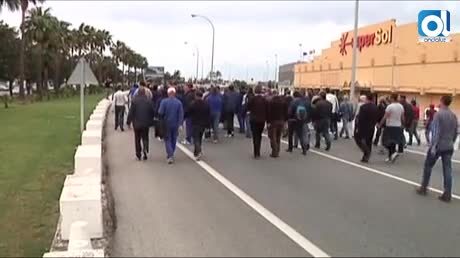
[{"x": 301, "y": 113}]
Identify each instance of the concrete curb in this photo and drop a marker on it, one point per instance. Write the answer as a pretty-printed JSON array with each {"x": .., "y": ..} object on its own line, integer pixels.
[{"x": 82, "y": 203}]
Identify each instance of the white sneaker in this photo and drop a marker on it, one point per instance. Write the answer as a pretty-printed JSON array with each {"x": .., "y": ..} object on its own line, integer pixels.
[
  {"x": 198, "y": 157},
  {"x": 170, "y": 161},
  {"x": 184, "y": 142},
  {"x": 387, "y": 160}
]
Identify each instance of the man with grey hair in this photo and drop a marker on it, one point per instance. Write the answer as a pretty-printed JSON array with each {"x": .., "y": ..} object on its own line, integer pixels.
[
  {"x": 172, "y": 115},
  {"x": 346, "y": 113}
]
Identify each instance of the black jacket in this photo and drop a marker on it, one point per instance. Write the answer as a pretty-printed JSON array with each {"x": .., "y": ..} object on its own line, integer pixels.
[
  {"x": 141, "y": 112},
  {"x": 277, "y": 109},
  {"x": 200, "y": 113},
  {"x": 322, "y": 110},
  {"x": 258, "y": 108},
  {"x": 188, "y": 99}
]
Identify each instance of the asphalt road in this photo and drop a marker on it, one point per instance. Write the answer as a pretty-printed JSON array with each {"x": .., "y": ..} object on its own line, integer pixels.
[{"x": 232, "y": 205}]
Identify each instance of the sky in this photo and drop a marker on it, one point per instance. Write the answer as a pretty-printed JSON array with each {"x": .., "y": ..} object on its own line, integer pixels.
[{"x": 251, "y": 37}]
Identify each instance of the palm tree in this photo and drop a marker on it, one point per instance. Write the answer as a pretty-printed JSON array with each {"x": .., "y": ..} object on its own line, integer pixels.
[
  {"x": 119, "y": 52},
  {"x": 12, "y": 5},
  {"x": 104, "y": 40},
  {"x": 62, "y": 43},
  {"x": 24, "y": 6},
  {"x": 40, "y": 28}
]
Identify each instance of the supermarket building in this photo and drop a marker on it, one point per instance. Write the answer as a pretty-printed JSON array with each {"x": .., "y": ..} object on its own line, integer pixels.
[{"x": 390, "y": 60}]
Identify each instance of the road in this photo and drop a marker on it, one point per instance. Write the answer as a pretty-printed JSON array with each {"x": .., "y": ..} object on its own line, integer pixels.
[{"x": 231, "y": 205}]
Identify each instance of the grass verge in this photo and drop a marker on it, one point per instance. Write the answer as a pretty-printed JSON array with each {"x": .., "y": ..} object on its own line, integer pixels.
[{"x": 37, "y": 144}]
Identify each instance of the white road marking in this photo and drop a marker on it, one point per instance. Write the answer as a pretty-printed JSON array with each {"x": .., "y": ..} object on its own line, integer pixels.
[
  {"x": 424, "y": 154},
  {"x": 306, "y": 244},
  {"x": 372, "y": 170},
  {"x": 375, "y": 171}
]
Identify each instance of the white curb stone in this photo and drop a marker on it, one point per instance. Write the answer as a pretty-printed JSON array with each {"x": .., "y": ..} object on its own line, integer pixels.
[
  {"x": 79, "y": 238},
  {"x": 94, "y": 125},
  {"x": 91, "y": 137},
  {"x": 97, "y": 116},
  {"x": 81, "y": 203},
  {"x": 88, "y": 157},
  {"x": 82, "y": 253}
]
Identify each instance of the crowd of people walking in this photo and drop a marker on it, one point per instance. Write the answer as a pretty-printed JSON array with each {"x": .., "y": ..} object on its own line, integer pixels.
[{"x": 295, "y": 116}]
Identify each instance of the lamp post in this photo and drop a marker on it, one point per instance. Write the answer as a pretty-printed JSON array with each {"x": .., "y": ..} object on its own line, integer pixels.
[
  {"x": 197, "y": 59},
  {"x": 276, "y": 67},
  {"x": 213, "y": 35},
  {"x": 301, "y": 54},
  {"x": 353, "y": 62},
  {"x": 268, "y": 71}
]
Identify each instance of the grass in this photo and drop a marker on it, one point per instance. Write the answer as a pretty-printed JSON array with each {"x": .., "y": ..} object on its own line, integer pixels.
[{"x": 37, "y": 144}]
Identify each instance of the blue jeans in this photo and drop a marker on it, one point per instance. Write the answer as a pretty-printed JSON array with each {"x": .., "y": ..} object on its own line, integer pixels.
[
  {"x": 247, "y": 126},
  {"x": 188, "y": 130},
  {"x": 241, "y": 121},
  {"x": 430, "y": 161},
  {"x": 170, "y": 139},
  {"x": 215, "y": 120}
]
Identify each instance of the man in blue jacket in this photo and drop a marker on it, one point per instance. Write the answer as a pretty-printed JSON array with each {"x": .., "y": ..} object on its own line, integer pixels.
[
  {"x": 172, "y": 115},
  {"x": 214, "y": 100},
  {"x": 230, "y": 108}
]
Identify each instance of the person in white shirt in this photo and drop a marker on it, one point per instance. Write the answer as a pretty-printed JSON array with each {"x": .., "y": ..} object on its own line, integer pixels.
[
  {"x": 120, "y": 99},
  {"x": 331, "y": 98},
  {"x": 393, "y": 131}
]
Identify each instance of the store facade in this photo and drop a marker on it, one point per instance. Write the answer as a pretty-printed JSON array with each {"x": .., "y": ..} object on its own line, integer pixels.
[{"x": 390, "y": 60}]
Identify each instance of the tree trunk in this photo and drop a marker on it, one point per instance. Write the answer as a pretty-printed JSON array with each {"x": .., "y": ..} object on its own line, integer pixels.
[
  {"x": 11, "y": 87},
  {"x": 45, "y": 78},
  {"x": 57, "y": 71},
  {"x": 123, "y": 76},
  {"x": 21, "y": 52},
  {"x": 135, "y": 75},
  {"x": 40, "y": 74}
]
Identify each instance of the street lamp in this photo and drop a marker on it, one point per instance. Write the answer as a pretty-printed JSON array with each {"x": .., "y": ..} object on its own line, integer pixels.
[
  {"x": 301, "y": 54},
  {"x": 268, "y": 71},
  {"x": 213, "y": 35},
  {"x": 353, "y": 62},
  {"x": 197, "y": 59},
  {"x": 276, "y": 67}
]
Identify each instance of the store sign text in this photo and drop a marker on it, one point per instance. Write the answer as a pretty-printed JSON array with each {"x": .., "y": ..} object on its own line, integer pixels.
[{"x": 380, "y": 37}]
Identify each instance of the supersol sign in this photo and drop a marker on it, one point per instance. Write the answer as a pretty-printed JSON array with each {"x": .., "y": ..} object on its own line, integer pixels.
[{"x": 380, "y": 37}]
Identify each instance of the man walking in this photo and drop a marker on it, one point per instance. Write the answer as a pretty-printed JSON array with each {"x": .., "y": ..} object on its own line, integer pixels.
[
  {"x": 393, "y": 133},
  {"x": 346, "y": 111},
  {"x": 200, "y": 116},
  {"x": 298, "y": 113},
  {"x": 407, "y": 124},
  {"x": 230, "y": 108},
  {"x": 414, "y": 123},
  {"x": 247, "y": 126},
  {"x": 331, "y": 98},
  {"x": 189, "y": 97},
  {"x": 322, "y": 120},
  {"x": 429, "y": 118},
  {"x": 214, "y": 100},
  {"x": 276, "y": 118},
  {"x": 172, "y": 114},
  {"x": 258, "y": 108},
  {"x": 365, "y": 123},
  {"x": 120, "y": 99},
  {"x": 444, "y": 134},
  {"x": 381, "y": 112},
  {"x": 141, "y": 115}
]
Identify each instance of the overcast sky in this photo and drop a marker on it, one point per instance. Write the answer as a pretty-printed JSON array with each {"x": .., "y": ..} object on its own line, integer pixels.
[{"x": 248, "y": 34}]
